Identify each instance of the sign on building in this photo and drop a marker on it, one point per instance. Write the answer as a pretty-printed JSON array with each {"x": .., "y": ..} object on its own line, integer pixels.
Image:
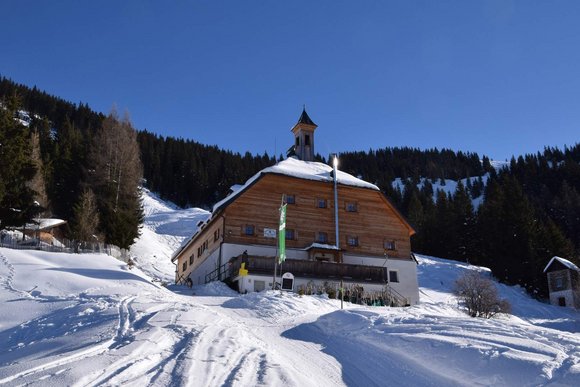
[{"x": 269, "y": 233}]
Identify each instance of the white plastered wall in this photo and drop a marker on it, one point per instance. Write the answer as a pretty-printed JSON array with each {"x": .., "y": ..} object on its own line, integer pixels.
[
  {"x": 407, "y": 286},
  {"x": 567, "y": 294}
]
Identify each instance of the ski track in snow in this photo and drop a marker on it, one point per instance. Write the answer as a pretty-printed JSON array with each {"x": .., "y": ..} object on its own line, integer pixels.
[{"x": 85, "y": 320}]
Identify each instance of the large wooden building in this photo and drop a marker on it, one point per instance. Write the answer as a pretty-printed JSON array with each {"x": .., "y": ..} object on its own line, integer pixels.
[{"x": 372, "y": 251}]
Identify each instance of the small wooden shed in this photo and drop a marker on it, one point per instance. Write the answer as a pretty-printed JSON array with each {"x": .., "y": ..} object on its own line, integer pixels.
[{"x": 563, "y": 282}]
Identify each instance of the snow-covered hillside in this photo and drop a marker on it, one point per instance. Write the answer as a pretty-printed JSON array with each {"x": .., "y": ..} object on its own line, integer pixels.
[
  {"x": 88, "y": 320},
  {"x": 165, "y": 228},
  {"x": 447, "y": 185}
]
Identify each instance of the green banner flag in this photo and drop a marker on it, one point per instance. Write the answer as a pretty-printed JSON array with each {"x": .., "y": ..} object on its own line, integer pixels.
[{"x": 282, "y": 235}]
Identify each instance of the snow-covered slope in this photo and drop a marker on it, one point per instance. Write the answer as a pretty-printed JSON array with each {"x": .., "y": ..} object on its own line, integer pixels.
[
  {"x": 448, "y": 186},
  {"x": 165, "y": 228},
  {"x": 86, "y": 320}
]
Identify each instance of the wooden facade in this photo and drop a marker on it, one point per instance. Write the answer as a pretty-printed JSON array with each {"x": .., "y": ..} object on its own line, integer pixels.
[
  {"x": 368, "y": 224},
  {"x": 373, "y": 247},
  {"x": 373, "y": 223}
]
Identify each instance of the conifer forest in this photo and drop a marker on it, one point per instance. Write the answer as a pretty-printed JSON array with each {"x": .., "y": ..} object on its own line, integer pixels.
[{"x": 64, "y": 160}]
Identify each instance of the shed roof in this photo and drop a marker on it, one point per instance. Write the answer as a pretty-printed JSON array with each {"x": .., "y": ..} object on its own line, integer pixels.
[
  {"x": 45, "y": 224},
  {"x": 564, "y": 262}
]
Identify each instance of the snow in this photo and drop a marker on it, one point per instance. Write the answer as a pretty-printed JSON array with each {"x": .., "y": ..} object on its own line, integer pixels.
[
  {"x": 321, "y": 246},
  {"x": 87, "y": 320},
  {"x": 294, "y": 167},
  {"x": 498, "y": 165},
  {"x": 449, "y": 187},
  {"x": 45, "y": 223},
  {"x": 165, "y": 228},
  {"x": 564, "y": 262}
]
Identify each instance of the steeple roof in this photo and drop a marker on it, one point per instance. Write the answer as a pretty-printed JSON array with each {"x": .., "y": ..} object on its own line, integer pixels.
[{"x": 304, "y": 119}]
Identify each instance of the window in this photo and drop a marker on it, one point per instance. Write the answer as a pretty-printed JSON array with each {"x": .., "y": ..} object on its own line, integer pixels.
[
  {"x": 351, "y": 207},
  {"x": 290, "y": 199},
  {"x": 290, "y": 235},
  {"x": 297, "y": 141},
  {"x": 321, "y": 203},
  {"x": 352, "y": 240},
  {"x": 184, "y": 266},
  {"x": 393, "y": 276},
  {"x": 307, "y": 140},
  {"x": 201, "y": 249},
  {"x": 249, "y": 229},
  {"x": 390, "y": 245},
  {"x": 191, "y": 259},
  {"x": 321, "y": 237},
  {"x": 216, "y": 235}
]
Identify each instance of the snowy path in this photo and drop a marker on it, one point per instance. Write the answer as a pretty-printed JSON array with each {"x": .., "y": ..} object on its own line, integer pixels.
[{"x": 85, "y": 320}]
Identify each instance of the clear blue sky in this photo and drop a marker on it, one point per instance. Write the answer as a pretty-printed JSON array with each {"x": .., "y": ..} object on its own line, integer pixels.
[{"x": 499, "y": 78}]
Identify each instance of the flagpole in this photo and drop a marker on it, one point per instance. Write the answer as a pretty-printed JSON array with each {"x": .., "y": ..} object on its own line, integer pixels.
[
  {"x": 275, "y": 267},
  {"x": 281, "y": 225}
]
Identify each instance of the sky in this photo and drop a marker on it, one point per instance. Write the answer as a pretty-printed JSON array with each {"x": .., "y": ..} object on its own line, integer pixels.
[{"x": 499, "y": 78}]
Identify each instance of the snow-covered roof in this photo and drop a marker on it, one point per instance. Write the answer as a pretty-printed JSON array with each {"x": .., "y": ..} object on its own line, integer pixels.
[
  {"x": 564, "y": 262},
  {"x": 236, "y": 187},
  {"x": 321, "y": 246},
  {"x": 308, "y": 170},
  {"x": 45, "y": 223}
]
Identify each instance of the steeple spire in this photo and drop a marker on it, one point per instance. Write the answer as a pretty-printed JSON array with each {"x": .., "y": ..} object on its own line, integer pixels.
[{"x": 304, "y": 119}]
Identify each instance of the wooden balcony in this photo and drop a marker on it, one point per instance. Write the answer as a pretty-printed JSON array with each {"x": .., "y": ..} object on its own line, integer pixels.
[{"x": 309, "y": 269}]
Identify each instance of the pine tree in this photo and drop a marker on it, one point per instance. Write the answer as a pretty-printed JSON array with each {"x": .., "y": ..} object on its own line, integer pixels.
[
  {"x": 86, "y": 218},
  {"x": 17, "y": 204},
  {"x": 68, "y": 170},
  {"x": 463, "y": 224},
  {"x": 117, "y": 174},
  {"x": 37, "y": 184}
]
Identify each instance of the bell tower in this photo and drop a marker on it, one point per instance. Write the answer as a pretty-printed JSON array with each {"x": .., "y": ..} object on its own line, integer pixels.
[{"x": 304, "y": 137}]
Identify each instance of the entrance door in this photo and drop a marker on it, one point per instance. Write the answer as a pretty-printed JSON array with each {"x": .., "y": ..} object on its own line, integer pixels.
[
  {"x": 562, "y": 301},
  {"x": 259, "y": 286}
]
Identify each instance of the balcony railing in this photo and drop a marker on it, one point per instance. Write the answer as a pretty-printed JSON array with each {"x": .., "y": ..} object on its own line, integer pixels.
[{"x": 309, "y": 269}]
